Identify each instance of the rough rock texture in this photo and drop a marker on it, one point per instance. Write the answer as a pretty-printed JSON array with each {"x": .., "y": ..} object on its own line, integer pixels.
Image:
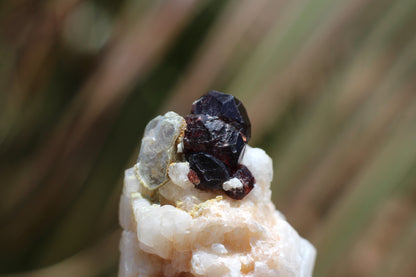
[{"x": 185, "y": 231}]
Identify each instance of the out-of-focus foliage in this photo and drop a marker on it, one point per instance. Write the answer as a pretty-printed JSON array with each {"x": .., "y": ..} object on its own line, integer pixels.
[{"x": 329, "y": 86}]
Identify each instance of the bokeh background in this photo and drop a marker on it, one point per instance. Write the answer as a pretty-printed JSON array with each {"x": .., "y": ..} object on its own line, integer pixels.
[{"x": 329, "y": 86}]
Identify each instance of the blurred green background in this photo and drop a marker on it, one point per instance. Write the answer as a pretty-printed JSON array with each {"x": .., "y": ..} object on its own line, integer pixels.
[{"x": 329, "y": 86}]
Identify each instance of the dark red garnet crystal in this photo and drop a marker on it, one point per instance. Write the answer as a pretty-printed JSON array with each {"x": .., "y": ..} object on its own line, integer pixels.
[
  {"x": 246, "y": 178},
  {"x": 217, "y": 131}
]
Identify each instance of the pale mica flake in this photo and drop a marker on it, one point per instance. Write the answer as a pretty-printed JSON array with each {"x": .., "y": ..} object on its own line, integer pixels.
[{"x": 158, "y": 149}]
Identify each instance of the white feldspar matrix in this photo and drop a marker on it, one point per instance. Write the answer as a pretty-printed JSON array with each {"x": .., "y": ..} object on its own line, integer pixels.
[{"x": 174, "y": 227}]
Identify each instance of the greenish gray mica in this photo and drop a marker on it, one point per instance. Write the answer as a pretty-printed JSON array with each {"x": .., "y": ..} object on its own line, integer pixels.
[{"x": 159, "y": 149}]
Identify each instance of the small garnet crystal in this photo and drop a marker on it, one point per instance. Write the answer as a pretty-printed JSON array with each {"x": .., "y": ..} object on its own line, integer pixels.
[{"x": 217, "y": 132}]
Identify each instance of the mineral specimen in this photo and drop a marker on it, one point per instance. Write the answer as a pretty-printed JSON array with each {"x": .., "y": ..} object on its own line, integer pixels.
[
  {"x": 217, "y": 131},
  {"x": 210, "y": 171},
  {"x": 178, "y": 220},
  {"x": 158, "y": 149},
  {"x": 246, "y": 179},
  {"x": 226, "y": 107},
  {"x": 190, "y": 232},
  {"x": 212, "y": 135}
]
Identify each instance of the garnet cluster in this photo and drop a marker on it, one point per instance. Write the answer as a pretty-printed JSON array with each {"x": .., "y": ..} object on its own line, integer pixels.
[{"x": 217, "y": 132}]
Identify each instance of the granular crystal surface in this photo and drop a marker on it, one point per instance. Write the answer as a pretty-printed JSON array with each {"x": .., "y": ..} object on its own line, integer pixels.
[{"x": 190, "y": 232}]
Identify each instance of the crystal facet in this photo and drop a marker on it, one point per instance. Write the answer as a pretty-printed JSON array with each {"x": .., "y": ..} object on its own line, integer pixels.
[
  {"x": 226, "y": 107},
  {"x": 217, "y": 131},
  {"x": 246, "y": 178},
  {"x": 211, "y": 171},
  {"x": 212, "y": 135}
]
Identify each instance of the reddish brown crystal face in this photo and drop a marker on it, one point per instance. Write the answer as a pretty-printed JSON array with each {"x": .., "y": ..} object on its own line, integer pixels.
[
  {"x": 246, "y": 178},
  {"x": 227, "y": 108},
  {"x": 211, "y": 171},
  {"x": 217, "y": 131},
  {"x": 211, "y": 135}
]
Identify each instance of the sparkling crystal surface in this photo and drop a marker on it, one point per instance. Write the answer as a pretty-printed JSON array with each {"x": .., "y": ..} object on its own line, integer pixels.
[
  {"x": 210, "y": 171},
  {"x": 226, "y": 107},
  {"x": 210, "y": 134},
  {"x": 217, "y": 131}
]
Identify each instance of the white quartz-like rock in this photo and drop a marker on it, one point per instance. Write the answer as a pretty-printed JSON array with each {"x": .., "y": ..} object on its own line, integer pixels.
[
  {"x": 182, "y": 230},
  {"x": 233, "y": 183}
]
